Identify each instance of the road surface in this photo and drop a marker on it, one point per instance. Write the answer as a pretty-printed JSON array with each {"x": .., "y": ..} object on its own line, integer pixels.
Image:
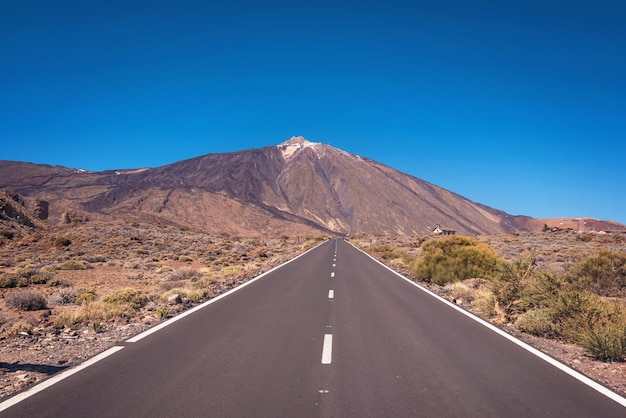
[{"x": 331, "y": 334}]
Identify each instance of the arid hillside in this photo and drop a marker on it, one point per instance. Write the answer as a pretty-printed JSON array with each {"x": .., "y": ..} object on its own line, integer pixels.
[{"x": 295, "y": 188}]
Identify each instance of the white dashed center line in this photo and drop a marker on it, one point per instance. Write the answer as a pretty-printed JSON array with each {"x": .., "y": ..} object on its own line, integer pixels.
[
  {"x": 331, "y": 294},
  {"x": 332, "y": 274},
  {"x": 327, "y": 351}
]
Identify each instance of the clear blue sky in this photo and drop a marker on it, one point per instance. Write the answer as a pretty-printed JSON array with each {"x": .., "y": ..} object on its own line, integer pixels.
[{"x": 519, "y": 105}]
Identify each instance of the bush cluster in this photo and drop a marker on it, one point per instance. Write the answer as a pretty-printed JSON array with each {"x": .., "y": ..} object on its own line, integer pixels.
[
  {"x": 455, "y": 258},
  {"x": 386, "y": 251},
  {"x": 25, "y": 276}
]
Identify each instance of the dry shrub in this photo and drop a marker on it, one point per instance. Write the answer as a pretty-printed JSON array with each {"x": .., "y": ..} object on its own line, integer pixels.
[
  {"x": 72, "y": 265},
  {"x": 69, "y": 319},
  {"x": 102, "y": 311},
  {"x": 204, "y": 281},
  {"x": 172, "y": 284},
  {"x": 26, "y": 300},
  {"x": 181, "y": 274},
  {"x": 135, "y": 299},
  {"x": 62, "y": 242},
  {"x": 17, "y": 328},
  {"x": 63, "y": 296},
  {"x": 194, "y": 295},
  {"x": 84, "y": 296}
]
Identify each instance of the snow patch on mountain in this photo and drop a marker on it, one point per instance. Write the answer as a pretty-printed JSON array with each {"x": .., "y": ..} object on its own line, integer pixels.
[{"x": 296, "y": 143}]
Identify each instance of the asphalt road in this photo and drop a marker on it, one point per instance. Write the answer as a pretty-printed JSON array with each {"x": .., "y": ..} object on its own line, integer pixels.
[{"x": 331, "y": 334}]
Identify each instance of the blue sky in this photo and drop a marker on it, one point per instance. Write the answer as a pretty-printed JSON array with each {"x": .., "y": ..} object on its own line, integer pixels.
[{"x": 519, "y": 105}]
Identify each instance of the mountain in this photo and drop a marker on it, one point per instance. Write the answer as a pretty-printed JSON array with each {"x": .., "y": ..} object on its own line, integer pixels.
[{"x": 297, "y": 187}]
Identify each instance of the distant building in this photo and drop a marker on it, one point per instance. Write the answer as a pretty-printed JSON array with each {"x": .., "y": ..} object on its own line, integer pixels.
[{"x": 439, "y": 231}]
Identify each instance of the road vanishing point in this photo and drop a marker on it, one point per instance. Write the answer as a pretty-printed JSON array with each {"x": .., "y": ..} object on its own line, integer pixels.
[{"x": 332, "y": 333}]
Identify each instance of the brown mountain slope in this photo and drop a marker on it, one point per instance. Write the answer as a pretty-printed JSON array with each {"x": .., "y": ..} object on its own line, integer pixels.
[{"x": 297, "y": 187}]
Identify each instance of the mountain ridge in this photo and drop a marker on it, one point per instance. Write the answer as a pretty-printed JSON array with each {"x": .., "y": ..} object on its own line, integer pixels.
[{"x": 295, "y": 187}]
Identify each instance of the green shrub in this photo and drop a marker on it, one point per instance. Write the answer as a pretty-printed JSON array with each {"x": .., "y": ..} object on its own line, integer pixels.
[
  {"x": 603, "y": 333},
  {"x": 455, "y": 258},
  {"x": 7, "y": 280},
  {"x": 510, "y": 284},
  {"x": 409, "y": 259},
  {"x": 131, "y": 297},
  {"x": 603, "y": 274},
  {"x": 540, "y": 289},
  {"x": 26, "y": 300},
  {"x": 386, "y": 251},
  {"x": 537, "y": 322},
  {"x": 62, "y": 242},
  {"x": 30, "y": 274}
]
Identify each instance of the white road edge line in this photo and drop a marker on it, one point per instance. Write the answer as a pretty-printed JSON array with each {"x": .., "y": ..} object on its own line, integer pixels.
[
  {"x": 208, "y": 302},
  {"x": 573, "y": 373},
  {"x": 57, "y": 378},
  {"x": 327, "y": 351},
  {"x": 331, "y": 294}
]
